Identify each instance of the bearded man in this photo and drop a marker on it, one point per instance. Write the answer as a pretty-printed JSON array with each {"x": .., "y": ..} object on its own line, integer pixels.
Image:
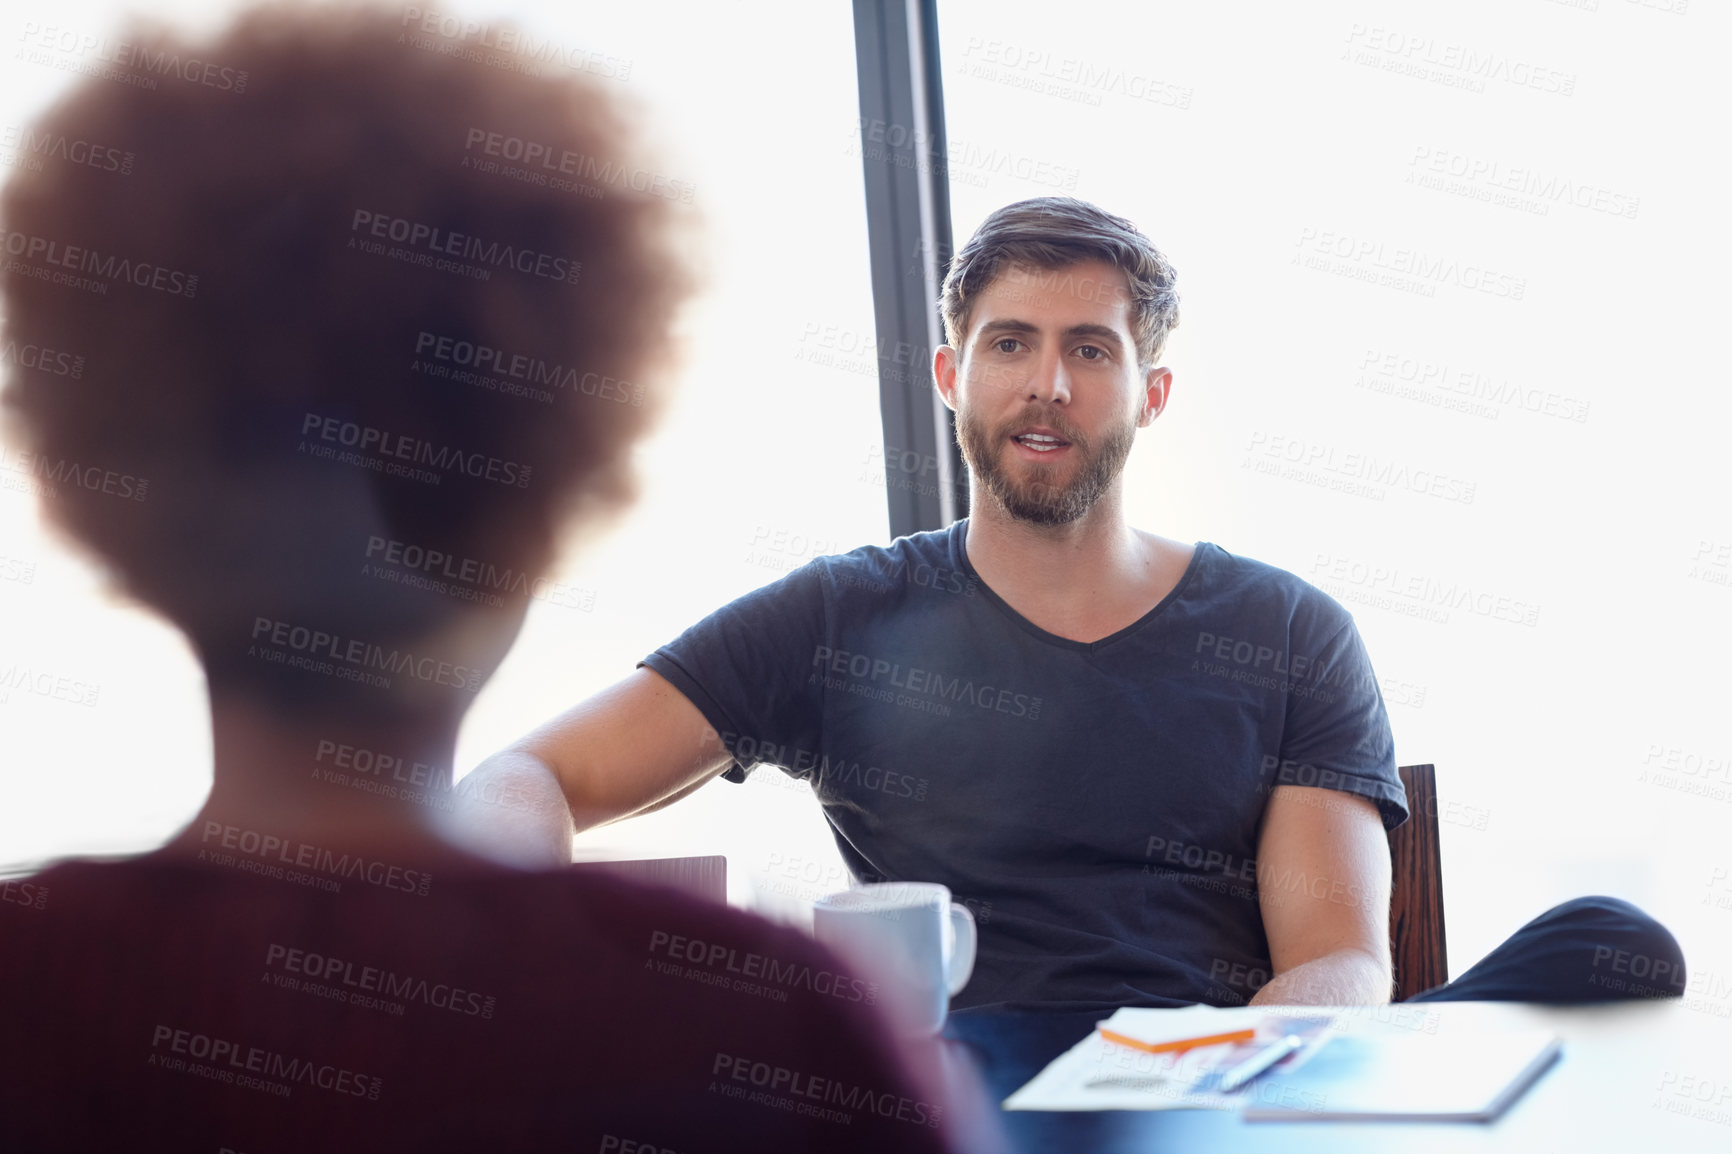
[{"x": 1161, "y": 773}]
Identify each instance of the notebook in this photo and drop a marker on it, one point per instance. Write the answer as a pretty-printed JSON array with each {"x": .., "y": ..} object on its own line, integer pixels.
[{"x": 1473, "y": 1076}]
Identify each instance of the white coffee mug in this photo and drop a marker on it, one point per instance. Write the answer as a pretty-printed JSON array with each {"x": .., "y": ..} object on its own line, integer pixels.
[{"x": 910, "y": 938}]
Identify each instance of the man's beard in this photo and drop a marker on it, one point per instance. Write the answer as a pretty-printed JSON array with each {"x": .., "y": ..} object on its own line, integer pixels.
[{"x": 1035, "y": 496}]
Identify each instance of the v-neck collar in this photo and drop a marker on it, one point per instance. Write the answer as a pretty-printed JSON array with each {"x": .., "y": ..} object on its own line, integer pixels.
[{"x": 959, "y": 556}]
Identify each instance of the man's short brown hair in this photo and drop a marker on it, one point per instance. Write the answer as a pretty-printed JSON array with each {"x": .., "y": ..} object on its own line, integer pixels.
[
  {"x": 323, "y": 313},
  {"x": 1054, "y": 232}
]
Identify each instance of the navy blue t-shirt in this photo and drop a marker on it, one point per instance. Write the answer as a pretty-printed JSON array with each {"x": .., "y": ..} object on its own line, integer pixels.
[{"x": 1096, "y": 805}]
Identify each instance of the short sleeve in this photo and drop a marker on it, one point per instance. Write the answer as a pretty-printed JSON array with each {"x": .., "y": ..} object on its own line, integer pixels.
[
  {"x": 749, "y": 669},
  {"x": 1337, "y": 733}
]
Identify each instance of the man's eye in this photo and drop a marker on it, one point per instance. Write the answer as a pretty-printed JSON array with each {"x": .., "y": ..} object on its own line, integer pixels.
[
  {"x": 1091, "y": 353},
  {"x": 1007, "y": 345}
]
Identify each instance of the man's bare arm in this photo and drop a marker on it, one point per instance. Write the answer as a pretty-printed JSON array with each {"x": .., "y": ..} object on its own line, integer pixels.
[
  {"x": 1323, "y": 882},
  {"x": 632, "y": 748}
]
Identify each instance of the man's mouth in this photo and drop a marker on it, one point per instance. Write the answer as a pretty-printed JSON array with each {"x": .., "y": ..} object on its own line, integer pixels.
[{"x": 1040, "y": 442}]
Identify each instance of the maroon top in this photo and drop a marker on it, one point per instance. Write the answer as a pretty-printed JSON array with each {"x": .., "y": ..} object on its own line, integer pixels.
[{"x": 160, "y": 1003}]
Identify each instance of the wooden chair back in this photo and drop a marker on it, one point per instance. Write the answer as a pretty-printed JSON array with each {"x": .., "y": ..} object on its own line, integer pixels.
[
  {"x": 1416, "y": 899},
  {"x": 702, "y": 877}
]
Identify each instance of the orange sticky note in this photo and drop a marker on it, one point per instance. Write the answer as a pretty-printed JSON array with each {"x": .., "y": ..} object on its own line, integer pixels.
[{"x": 1178, "y": 1045}]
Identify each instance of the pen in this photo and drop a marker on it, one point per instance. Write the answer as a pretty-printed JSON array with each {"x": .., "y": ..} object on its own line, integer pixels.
[
  {"x": 1179, "y": 1045},
  {"x": 1257, "y": 1063}
]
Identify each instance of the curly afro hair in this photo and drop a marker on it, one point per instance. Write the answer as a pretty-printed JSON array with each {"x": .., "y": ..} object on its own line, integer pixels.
[{"x": 348, "y": 298}]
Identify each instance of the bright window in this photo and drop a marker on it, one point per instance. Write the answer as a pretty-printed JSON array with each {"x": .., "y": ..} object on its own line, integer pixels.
[{"x": 1453, "y": 286}]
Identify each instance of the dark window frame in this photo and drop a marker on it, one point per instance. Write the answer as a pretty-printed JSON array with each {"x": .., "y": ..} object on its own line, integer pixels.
[{"x": 904, "y": 158}]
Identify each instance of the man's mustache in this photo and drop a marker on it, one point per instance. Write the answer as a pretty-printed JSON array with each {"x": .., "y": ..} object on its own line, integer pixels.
[{"x": 1048, "y": 418}]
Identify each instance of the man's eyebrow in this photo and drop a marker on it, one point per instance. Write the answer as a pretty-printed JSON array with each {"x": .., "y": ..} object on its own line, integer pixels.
[
  {"x": 1005, "y": 326},
  {"x": 1101, "y": 333}
]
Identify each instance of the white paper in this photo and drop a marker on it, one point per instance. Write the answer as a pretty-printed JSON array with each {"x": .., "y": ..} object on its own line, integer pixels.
[{"x": 1096, "y": 1074}]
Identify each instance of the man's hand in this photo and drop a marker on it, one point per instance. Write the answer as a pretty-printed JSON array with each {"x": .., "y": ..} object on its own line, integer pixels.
[
  {"x": 630, "y": 749},
  {"x": 1323, "y": 882},
  {"x": 510, "y": 810}
]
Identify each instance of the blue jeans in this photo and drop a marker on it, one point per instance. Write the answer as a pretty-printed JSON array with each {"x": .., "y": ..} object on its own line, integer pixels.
[{"x": 1593, "y": 949}]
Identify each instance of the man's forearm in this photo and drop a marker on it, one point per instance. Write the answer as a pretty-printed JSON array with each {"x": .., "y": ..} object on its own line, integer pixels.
[
  {"x": 512, "y": 810},
  {"x": 1348, "y": 977}
]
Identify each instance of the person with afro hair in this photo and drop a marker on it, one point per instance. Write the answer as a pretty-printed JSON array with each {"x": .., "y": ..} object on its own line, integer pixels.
[{"x": 344, "y": 390}]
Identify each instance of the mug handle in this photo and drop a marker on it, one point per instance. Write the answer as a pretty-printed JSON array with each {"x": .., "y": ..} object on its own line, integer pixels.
[{"x": 963, "y": 943}]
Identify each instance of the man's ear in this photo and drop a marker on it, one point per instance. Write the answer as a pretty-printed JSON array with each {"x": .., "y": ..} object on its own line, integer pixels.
[
  {"x": 1157, "y": 387},
  {"x": 945, "y": 361}
]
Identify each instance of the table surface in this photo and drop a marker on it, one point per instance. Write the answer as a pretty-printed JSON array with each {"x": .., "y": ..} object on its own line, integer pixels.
[{"x": 1650, "y": 1077}]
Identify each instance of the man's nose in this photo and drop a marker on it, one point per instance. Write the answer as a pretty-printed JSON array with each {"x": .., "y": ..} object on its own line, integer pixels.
[{"x": 1050, "y": 381}]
